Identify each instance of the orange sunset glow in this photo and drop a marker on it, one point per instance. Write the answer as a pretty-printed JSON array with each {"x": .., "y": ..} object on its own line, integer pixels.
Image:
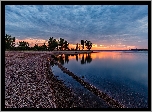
[
  {"x": 106, "y": 29},
  {"x": 104, "y": 55},
  {"x": 40, "y": 42}
]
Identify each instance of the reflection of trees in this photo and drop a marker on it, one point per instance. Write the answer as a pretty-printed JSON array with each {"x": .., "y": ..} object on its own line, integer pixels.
[
  {"x": 55, "y": 58},
  {"x": 87, "y": 59},
  {"x": 66, "y": 58},
  {"x": 61, "y": 60},
  {"x": 76, "y": 57},
  {"x": 72, "y": 54},
  {"x": 82, "y": 61}
]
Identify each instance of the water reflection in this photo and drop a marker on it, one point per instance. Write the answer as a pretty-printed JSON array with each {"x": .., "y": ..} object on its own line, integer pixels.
[
  {"x": 86, "y": 59},
  {"x": 64, "y": 58},
  {"x": 122, "y": 75}
]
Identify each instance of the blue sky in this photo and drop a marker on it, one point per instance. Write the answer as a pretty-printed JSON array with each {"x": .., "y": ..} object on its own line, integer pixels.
[{"x": 106, "y": 25}]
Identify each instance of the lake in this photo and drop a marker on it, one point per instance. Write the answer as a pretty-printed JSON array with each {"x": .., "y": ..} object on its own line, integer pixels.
[{"x": 123, "y": 75}]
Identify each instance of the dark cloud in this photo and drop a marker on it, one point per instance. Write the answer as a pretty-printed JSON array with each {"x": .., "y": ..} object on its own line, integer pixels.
[{"x": 95, "y": 23}]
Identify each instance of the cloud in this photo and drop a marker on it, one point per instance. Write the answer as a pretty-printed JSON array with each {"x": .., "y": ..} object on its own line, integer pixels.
[{"x": 73, "y": 23}]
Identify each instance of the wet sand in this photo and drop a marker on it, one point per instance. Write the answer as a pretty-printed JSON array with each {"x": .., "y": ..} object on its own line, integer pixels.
[{"x": 29, "y": 83}]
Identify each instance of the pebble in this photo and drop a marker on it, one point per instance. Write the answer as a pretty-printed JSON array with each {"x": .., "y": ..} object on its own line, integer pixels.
[{"x": 25, "y": 71}]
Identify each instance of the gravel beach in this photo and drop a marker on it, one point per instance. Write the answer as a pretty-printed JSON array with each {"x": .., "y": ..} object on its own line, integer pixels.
[{"x": 29, "y": 83}]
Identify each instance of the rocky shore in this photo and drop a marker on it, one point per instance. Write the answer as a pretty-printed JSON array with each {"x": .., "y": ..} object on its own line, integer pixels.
[{"x": 29, "y": 83}]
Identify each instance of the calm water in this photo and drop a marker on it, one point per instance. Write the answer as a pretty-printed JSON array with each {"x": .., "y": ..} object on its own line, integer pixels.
[{"x": 122, "y": 75}]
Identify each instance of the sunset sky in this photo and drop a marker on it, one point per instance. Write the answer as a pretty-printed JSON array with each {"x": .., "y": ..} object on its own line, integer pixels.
[{"x": 106, "y": 26}]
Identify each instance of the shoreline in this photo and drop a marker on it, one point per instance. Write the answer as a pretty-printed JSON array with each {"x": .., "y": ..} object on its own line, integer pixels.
[
  {"x": 71, "y": 52},
  {"x": 51, "y": 52}
]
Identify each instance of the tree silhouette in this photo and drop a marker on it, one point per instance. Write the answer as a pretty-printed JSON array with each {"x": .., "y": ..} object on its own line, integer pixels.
[
  {"x": 65, "y": 45},
  {"x": 88, "y": 44},
  {"x": 9, "y": 42},
  {"x": 36, "y": 47},
  {"x": 44, "y": 47},
  {"x": 72, "y": 49},
  {"x": 82, "y": 43},
  {"x": 76, "y": 47},
  {"x": 79, "y": 46},
  {"x": 23, "y": 45},
  {"x": 61, "y": 43},
  {"x": 52, "y": 44}
]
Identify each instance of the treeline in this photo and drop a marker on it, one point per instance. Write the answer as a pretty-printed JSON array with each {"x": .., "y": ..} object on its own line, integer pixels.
[{"x": 53, "y": 44}]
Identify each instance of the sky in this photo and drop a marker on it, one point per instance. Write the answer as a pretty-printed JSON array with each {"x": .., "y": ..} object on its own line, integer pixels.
[{"x": 106, "y": 26}]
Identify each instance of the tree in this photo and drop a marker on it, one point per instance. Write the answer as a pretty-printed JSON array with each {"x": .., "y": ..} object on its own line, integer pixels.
[
  {"x": 52, "y": 44},
  {"x": 36, "y": 47},
  {"x": 40, "y": 48},
  {"x": 88, "y": 44},
  {"x": 9, "y": 42},
  {"x": 23, "y": 45},
  {"x": 65, "y": 45},
  {"x": 43, "y": 47},
  {"x": 82, "y": 43},
  {"x": 55, "y": 44},
  {"x": 72, "y": 49},
  {"x": 77, "y": 47},
  {"x": 61, "y": 43}
]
